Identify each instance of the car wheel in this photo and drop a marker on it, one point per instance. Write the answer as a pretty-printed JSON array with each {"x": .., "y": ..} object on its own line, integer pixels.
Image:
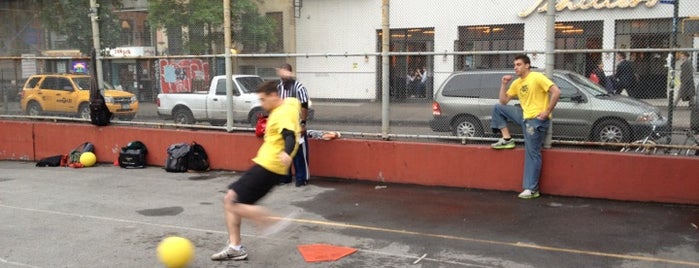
[
  {"x": 33, "y": 109},
  {"x": 183, "y": 116},
  {"x": 84, "y": 111},
  {"x": 466, "y": 126},
  {"x": 254, "y": 114},
  {"x": 612, "y": 131}
]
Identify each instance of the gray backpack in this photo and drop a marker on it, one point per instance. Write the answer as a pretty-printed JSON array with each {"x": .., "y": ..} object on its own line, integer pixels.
[{"x": 177, "y": 157}]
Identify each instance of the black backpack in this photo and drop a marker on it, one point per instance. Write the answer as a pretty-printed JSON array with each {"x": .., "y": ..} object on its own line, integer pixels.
[
  {"x": 74, "y": 155},
  {"x": 197, "y": 159},
  {"x": 99, "y": 112},
  {"x": 177, "y": 157},
  {"x": 133, "y": 155}
]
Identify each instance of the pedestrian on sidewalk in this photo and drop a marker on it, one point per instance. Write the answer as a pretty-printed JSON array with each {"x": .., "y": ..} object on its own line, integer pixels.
[
  {"x": 624, "y": 78},
  {"x": 271, "y": 165},
  {"x": 687, "y": 87},
  {"x": 538, "y": 96},
  {"x": 289, "y": 87}
]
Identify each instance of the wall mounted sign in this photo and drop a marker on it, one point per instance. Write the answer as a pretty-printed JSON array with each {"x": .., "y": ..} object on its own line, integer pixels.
[{"x": 573, "y": 5}]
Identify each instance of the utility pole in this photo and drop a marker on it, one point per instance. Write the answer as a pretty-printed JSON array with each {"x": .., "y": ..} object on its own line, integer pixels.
[
  {"x": 229, "y": 66},
  {"x": 550, "y": 47},
  {"x": 671, "y": 92},
  {"x": 385, "y": 69},
  {"x": 94, "y": 17}
]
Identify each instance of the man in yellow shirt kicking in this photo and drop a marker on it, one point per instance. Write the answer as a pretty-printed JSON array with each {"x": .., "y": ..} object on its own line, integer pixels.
[
  {"x": 538, "y": 96},
  {"x": 271, "y": 165}
]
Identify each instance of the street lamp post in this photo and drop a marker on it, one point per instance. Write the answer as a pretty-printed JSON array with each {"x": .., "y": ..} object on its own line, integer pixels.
[{"x": 94, "y": 17}]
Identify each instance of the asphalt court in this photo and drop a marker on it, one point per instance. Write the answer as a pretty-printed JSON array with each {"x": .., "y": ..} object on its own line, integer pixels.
[{"x": 105, "y": 216}]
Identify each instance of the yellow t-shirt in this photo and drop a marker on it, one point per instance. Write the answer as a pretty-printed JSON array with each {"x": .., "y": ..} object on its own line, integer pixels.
[
  {"x": 532, "y": 92},
  {"x": 286, "y": 116}
]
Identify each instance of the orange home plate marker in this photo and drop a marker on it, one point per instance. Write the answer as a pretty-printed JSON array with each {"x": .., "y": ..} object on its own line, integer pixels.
[{"x": 324, "y": 252}]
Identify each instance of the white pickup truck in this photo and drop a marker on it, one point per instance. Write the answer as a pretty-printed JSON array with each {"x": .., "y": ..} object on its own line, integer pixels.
[{"x": 211, "y": 106}]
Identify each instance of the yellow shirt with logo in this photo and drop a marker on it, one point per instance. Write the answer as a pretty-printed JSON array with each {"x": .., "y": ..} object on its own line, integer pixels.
[
  {"x": 286, "y": 116},
  {"x": 532, "y": 92}
]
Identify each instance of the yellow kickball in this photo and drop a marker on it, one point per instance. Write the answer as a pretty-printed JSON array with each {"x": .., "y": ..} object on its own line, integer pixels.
[
  {"x": 175, "y": 252},
  {"x": 88, "y": 159}
]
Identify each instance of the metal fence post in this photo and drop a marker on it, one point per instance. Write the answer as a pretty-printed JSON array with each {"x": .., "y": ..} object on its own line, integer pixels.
[
  {"x": 94, "y": 18},
  {"x": 550, "y": 46},
  {"x": 229, "y": 65},
  {"x": 385, "y": 86}
]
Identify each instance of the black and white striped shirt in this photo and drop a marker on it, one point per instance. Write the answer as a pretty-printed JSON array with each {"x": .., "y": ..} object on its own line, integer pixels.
[{"x": 293, "y": 88}]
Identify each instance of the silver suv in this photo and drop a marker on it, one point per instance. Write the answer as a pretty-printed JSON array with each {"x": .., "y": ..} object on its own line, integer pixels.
[{"x": 464, "y": 103}]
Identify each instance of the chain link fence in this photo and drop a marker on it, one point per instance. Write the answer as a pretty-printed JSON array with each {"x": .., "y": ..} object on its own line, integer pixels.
[{"x": 444, "y": 69}]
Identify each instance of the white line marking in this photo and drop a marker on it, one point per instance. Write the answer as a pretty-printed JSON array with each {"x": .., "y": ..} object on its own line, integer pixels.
[
  {"x": 197, "y": 230},
  {"x": 17, "y": 263}
]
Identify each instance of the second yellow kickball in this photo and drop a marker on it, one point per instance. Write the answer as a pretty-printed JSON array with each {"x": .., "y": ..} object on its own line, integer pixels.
[
  {"x": 88, "y": 159},
  {"x": 175, "y": 252}
]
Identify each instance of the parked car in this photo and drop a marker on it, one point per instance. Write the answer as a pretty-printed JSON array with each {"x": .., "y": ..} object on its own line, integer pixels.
[
  {"x": 9, "y": 91},
  {"x": 70, "y": 94},
  {"x": 464, "y": 102},
  {"x": 211, "y": 106}
]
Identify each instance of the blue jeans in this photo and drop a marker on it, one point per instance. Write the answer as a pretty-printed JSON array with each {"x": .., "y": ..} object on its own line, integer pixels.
[
  {"x": 300, "y": 163},
  {"x": 534, "y": 133}
]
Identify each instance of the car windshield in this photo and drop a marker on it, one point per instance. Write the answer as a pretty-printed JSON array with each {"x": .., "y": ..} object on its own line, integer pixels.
[
  {"x": 250, "y": 83},
  {"x": 590, "y": 86},
  {"x": 84, "y": 83}
]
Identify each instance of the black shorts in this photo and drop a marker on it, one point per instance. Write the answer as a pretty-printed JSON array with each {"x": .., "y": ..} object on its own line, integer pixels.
[{"x": 254, "y": 184}]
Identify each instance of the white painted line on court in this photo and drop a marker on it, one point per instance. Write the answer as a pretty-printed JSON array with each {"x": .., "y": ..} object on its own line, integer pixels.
[
  {"x": 196, "y": 230},
  {"x": 494, "y": 242},
  {"x": 17, "y": 263},
  {"x": 387, "y": 230}
]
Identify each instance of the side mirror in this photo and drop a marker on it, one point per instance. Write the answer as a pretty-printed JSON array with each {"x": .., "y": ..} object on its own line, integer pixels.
[{"x": 577, "y": 98}]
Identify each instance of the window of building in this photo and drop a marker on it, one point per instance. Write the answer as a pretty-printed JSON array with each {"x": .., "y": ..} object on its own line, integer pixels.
[
  {"x": 649, "y": 67},
  {"x": 411, "y": 75},
  {"x": 278, "y": 45},
  {"x": 488, "y": 38},
  {"x": 146, "y": 38},
  {"x": 127, "y": 32},
  {"x": 578, "y": 35}
]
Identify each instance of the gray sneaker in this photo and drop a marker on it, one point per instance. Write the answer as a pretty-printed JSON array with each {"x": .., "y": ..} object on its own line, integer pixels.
[
  {"x": 503, "y": 144},
  {"x": 229, "y": 253}
]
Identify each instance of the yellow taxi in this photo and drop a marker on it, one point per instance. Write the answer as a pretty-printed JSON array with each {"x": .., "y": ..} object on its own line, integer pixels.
[{"x": 70, "y": 94}]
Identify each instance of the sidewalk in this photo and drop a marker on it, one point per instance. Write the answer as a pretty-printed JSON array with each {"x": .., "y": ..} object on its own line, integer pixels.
[
  {"x": 346, "y": 112},
  {"x": 370, "y": 112}
]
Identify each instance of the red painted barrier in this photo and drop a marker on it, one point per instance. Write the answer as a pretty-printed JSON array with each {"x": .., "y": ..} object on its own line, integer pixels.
[
  {"x": 16, "y": 140},
  {"x": 594, "y": 174}
]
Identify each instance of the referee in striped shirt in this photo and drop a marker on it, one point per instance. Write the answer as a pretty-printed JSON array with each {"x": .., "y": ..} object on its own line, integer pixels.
[{"x": 289, "y": 87}]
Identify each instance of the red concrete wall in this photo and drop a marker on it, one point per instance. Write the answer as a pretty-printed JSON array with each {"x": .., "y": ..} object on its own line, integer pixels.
[
  {"x": 16, "y": 140},
  {"x": 594, "y": 174}
]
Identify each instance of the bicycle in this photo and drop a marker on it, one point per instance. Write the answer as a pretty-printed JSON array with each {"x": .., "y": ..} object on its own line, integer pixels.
[{"x": 654, "y": 144}]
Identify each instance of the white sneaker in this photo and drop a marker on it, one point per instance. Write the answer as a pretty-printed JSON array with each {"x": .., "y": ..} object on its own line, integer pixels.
[
  {"x": 229, "y": 253},
  {"x": 528, "y": 194}
]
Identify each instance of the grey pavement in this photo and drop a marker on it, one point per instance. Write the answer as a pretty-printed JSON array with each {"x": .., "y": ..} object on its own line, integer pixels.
[{"x": 105, "y": 216}]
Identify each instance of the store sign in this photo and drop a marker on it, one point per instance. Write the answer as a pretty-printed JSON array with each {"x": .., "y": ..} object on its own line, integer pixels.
[
  {"x": 133, "y": 52},
  {"x": 573, "y": 5}
]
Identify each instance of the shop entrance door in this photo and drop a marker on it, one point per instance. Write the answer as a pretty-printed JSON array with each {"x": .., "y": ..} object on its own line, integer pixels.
[{"x": 411, "y": 77}]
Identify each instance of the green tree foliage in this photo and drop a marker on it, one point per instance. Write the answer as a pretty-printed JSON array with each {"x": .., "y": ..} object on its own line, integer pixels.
[
  {"x": 203, "y": 20},
  {"x": 71, "y": 19}
]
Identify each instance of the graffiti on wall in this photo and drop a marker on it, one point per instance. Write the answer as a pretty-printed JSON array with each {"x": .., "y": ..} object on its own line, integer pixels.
[{"x": 183, "y": 75}]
